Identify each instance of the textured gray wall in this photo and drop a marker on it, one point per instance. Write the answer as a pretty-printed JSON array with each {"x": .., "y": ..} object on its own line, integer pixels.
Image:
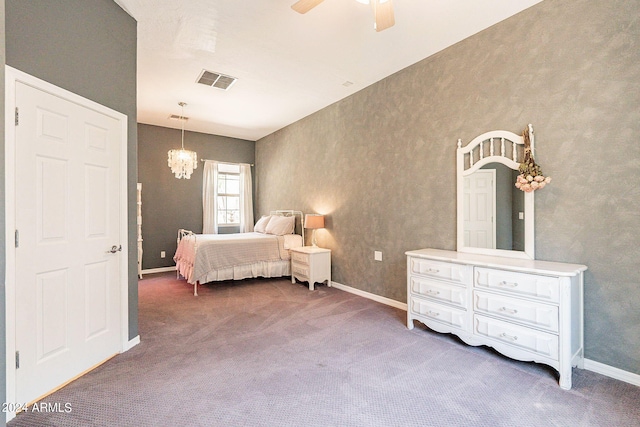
[
  {"x": 381, "y": 163},
  {"x": 169, "y": 203},
  {"x": 89, "y": 48}
]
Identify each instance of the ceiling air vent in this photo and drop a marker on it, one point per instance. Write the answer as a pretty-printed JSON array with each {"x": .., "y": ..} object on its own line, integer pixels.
[{"x": 217, "y": 80}]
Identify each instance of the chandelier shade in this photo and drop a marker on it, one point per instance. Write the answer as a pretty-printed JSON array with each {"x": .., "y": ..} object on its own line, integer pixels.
[{"x": 182, "y": 162}]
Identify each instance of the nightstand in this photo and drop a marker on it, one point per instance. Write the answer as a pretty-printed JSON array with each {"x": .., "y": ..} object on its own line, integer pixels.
[{"x": 311, "y": 264}]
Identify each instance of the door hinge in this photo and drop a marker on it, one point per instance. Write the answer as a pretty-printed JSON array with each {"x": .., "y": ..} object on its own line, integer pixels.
[
  {"x": 17, "y": 116},
  {"x": 17, "y": 360},
  {"x": 17, "y": 238}
]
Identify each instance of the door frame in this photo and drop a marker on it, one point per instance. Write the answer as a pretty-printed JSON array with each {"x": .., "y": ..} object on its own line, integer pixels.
[{"x": 12, "y": 77}]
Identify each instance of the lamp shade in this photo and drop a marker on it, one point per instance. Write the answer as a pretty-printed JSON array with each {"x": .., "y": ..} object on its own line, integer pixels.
[{"x": 313, "y": 221}]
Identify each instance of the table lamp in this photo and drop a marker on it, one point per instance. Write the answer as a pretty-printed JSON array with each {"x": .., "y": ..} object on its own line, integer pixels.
[{"x": 313, "y": 222}]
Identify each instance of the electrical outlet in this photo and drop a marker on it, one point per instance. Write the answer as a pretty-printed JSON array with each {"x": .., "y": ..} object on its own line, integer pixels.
[
  {"x": 520, "y": 215},
  {"x": 377, "y": 255},
  {"x": 163, "y": 254}
]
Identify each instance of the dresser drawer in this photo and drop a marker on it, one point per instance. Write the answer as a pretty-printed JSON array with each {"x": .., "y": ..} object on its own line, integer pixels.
[
  {"x": 520, "y": 337},
  {"x": 300, "y": 270},
  {"x": 442, "y": 270},
  {"x": 544, "y": 316},
  {"x": 300, "y": 258},
  {"x": 531, "y": 285},
  {"x": 441, "y": 291},
  {"x": 440, "y": 313}
]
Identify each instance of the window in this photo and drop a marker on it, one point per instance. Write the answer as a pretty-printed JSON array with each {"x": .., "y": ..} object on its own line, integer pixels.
[
  {"x": 228, "y": 206},
  {"x": 226, "y": 197}
]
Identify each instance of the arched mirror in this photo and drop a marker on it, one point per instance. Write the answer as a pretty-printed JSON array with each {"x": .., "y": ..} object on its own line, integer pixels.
[{"x": 494, "y": 217}]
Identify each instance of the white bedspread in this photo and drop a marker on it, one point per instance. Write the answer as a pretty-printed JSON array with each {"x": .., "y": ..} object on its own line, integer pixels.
[{"x": 199, "y": 254}]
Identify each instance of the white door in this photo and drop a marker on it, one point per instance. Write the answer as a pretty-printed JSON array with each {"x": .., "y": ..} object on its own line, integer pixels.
[
  {"x": 67, "y": 178},
  {"x": 479, "y": 209}
]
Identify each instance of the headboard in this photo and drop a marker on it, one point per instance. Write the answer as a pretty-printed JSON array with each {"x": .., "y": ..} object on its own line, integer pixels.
[{"x": 299, "y": 226}]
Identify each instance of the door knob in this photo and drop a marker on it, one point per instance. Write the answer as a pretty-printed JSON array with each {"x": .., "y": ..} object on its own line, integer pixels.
[{"x": 115, "y": 249}]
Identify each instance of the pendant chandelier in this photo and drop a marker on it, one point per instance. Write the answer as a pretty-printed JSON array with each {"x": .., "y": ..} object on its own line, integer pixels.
[{"x": 182, "y": 162}]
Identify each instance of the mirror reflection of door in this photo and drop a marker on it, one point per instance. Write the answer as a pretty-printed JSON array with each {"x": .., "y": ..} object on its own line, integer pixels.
[{"x": 479, "y": 209}]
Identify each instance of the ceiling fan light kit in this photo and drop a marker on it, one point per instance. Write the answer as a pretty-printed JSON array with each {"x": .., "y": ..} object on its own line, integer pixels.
[{"x": 382, "y": 11}]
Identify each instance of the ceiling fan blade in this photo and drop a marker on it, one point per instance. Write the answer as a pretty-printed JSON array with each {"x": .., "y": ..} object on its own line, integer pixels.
[
  {"x": 304, "y": 6},
  {"x": 383, "y": 13}
]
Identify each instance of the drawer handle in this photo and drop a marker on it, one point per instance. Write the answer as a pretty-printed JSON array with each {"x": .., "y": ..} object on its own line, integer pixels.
[
  {"x": 508, "y": 310},
  {"x": 432, "y": 271},
  {"x": 509, "y": 337},
  {"x": 432, "y": 292},
  {"x": 433, "y": 313},
  {"x": 508, "y": 284}
]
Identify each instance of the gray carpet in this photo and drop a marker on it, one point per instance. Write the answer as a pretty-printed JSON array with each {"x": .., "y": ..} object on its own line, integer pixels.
[{"x": 270, "y": 353}]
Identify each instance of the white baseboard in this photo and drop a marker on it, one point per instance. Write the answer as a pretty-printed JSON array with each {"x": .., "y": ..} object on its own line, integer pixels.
[
  {"x": 377, "y": 298},
  {"x": 610, "y": 371},
  {"x": 131, "y": 343},
  {"x": 590, "y": 365},
  {"x": 158, "y": 270}
]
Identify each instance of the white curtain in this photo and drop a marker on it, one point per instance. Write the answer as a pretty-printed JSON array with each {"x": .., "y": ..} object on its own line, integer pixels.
[
  {"x": 246, "y": 199},
  {"x": 209, "y": 197}
]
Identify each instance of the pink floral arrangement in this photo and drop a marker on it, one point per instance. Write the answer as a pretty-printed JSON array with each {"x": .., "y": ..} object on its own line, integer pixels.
[
  {"x": 530, "y": 183},
  {"x": 531, "y": 177}
]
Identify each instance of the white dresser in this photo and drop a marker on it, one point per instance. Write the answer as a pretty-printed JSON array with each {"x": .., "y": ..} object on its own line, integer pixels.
[{"x": 525, "y": 309}]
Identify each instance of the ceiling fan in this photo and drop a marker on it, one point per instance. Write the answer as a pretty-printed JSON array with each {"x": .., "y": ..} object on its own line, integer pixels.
[{"x": 382, "y": 11}]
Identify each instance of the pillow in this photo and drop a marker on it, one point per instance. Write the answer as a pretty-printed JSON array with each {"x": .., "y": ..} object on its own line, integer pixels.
[
  {"x": 261, "y": 225},
  {"x": 281, "y": 225},
  {"x": 292, "y": 241}
]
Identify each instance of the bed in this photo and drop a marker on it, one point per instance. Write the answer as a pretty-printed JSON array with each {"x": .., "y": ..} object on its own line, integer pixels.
[{"x": 203, "y": 258}]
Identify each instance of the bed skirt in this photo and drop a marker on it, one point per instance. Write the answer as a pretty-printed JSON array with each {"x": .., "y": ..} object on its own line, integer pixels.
[{"x": 278, "y": 268}]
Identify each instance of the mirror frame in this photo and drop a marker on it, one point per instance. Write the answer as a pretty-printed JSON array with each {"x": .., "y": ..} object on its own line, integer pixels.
[{"x": 501, "y": 137}]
